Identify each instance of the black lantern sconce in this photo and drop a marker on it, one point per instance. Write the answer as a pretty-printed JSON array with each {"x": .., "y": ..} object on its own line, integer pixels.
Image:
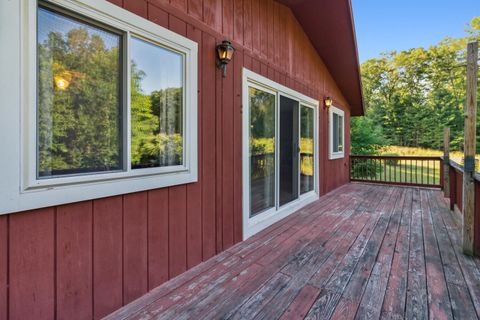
[
  {"x": 225, "y": 52},
  {"x": 328, "y": 102}
]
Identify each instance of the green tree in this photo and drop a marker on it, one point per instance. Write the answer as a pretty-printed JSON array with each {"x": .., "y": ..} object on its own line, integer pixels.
[
  {"x": 366, "y": 137},
  {"x": 413, "y": 94}
]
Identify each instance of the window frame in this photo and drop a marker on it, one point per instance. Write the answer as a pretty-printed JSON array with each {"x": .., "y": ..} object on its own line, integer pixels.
[
  {"x": 339, "y": 112},
  {"x": 21, "y": 189}
]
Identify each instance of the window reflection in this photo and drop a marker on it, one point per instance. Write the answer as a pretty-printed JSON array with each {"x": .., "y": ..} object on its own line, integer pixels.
[
  {"x": 156, "y": 105},
  {"x": 79, "y": 110},
  {"x": 306, "y": 149},
  {"x": 337, "y": 132},
  {"x": 262, "y": 150}
]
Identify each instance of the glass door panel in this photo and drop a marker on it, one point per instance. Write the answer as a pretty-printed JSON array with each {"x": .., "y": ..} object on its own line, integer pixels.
[
  {"x": 262, "y": 150},
  {"x": 307, "y": 147},
  {"x": 289, "y": 150}
]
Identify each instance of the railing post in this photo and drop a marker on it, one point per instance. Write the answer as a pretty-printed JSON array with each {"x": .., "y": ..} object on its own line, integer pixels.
[
  {"x": 446, "y": 162},
  {"x": 453, "y": 188},
  {"x": 469, "y": 149}
]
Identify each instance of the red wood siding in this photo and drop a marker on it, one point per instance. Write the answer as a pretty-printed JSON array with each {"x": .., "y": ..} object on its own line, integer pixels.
[{"x": 87, "y": 259}]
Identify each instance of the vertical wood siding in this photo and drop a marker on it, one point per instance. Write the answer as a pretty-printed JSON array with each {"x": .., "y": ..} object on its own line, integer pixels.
[{"x": 87, "y": 259}]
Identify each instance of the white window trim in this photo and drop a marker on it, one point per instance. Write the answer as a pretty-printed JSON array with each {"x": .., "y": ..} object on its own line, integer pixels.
[
  {"x": 253, "y": 225},
  {"x": 19, "y": 187},
  {"x": 340, "y": 112}
]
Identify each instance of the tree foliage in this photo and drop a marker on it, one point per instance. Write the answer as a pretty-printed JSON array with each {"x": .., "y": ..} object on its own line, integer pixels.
[
  {"x": 80, "y": 119},
  {"x": 412, "y": 95}
]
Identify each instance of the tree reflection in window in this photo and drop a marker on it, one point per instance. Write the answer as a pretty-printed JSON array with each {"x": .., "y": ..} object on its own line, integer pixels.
[
  {"x": 262, "y": 150},
  {"x": 79, "y": 107},
  {"x": 156, "y": 105}
]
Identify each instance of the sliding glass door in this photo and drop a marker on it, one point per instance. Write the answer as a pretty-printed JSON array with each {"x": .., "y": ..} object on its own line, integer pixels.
[
  {"x": 289, "y": 150},
  {"x": 279, "y": 152},
  {"x": 281, "y": 132}
]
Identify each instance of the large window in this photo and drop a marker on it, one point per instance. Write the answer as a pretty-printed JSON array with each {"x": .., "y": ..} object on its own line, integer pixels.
[
  {"x": 79, "y": 102},
  {"x": 280, "y": 155},
  {"x": 337, "y": 131},
  {"x": 106, "y": 105}
]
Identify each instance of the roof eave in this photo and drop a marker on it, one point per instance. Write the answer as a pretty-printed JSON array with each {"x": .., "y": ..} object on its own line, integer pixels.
[{"x": 329, "y": 24}]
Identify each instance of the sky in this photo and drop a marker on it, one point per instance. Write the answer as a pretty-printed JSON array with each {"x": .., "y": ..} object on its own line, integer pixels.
[{"x": 395, "y": 25}]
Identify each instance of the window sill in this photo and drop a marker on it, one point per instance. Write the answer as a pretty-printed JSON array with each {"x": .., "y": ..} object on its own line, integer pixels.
[
  {"x": 335, "y": 156},
  {"x": 63, "y": 194}
]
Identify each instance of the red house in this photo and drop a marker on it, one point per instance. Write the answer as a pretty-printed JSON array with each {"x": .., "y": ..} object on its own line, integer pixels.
[{"x": 131, "y": 151}]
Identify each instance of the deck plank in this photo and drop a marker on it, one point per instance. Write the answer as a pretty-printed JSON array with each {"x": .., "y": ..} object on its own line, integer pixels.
[
  {"x": 348, "y": 305},
  {"x": 417, "y": 305},
  {"x": 374, "y": 293},
  {"x": 362, "y": 251},
  {"x": 396, "y": 293},
  {"x": 438, "y": 298},
  {"x": 339, "y": 279},
  {"x": 463, "y": 279},
  {"x": 206, "y": 310}
]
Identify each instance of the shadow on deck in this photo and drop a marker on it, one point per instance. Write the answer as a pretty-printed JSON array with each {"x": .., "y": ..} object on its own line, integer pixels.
[{"x": 364, "y": 251}]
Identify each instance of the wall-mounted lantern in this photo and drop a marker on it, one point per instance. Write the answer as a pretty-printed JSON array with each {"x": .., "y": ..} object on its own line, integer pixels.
[
  {"x": 328, "y": 102},
  {"x": 225, "y": 52}
]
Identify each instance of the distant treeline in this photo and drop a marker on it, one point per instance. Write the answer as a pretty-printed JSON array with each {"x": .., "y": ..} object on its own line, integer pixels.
[{"x": 410, "y": 96}]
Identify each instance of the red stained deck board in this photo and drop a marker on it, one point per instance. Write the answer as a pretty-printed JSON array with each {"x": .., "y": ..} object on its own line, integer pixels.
[
  {"x": 438, "y": 296},
  {"x": 298, "y": 309},
  {"x": 461, "y": 274},
  {"x": 348, "y": 305},
  {"x": 328, "y": 259},
  {"x": 375, "y": 289}
]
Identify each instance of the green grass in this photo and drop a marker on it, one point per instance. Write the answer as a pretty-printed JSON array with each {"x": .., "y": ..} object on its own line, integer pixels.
[{"x": 456, "y": 156}]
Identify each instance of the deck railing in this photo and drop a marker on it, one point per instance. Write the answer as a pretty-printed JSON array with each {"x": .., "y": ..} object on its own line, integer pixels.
[{"x": 398, "y": 170}]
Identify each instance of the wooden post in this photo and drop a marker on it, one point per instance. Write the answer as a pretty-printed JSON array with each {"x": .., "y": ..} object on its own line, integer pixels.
[
  {"x": 446, "y": 162},
  {"x": 469, "y": 149}
]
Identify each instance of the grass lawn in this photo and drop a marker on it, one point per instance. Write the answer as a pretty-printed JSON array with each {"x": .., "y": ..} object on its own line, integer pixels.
[{"x": 456, "y": 156}]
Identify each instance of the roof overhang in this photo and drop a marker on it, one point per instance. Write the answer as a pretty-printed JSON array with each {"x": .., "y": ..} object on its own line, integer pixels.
[{"x": 329, "y": 25}]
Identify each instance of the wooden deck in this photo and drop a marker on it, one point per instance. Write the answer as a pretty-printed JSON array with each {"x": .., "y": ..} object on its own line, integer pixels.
[{"x": 362, "y": 251}]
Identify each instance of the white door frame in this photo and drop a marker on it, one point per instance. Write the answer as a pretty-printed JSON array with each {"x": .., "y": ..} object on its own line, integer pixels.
[{"x": 252, "y": 225}]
